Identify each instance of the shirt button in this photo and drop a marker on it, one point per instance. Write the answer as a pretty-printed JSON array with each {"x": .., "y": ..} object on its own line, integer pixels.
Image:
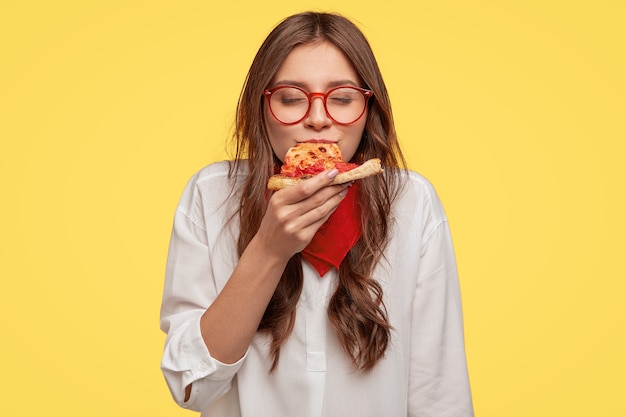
[{"x": 203, "y": 366}]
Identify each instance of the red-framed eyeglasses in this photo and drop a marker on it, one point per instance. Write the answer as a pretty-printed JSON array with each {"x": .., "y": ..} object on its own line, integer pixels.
[{"x": 344, "y": 105}]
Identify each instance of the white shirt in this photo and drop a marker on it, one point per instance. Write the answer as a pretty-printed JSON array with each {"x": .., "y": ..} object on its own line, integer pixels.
[{"x": 423, "y": 372}]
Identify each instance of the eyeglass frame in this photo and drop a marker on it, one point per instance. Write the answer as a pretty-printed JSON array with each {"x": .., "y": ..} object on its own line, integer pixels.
[{"x": 267, "y": 93}]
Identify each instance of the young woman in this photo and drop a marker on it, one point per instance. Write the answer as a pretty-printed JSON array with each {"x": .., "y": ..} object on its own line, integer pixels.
[{"x": 255, "y": 325}]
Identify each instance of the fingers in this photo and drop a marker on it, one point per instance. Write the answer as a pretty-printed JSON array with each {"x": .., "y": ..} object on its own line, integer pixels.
[
  {"x": 299, "y": 222},
  {"x": 309, "y": 210},
  {"x": 316, "y": 209},
  {"x": 312, "y": 199}
]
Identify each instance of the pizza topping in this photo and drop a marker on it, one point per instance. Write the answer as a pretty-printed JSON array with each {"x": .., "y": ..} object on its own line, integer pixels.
[
  {"x": 345, "y": 166},
  {"x": 307, "y": 159}
]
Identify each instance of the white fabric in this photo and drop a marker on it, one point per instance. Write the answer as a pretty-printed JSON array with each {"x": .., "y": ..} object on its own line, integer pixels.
[{"x": 424, "y": 370}]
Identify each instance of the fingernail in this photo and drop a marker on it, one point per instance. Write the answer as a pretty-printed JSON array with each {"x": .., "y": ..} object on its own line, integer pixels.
[
  {"x": 332, "y": 173},
  {"x": 343, "y": 192}
]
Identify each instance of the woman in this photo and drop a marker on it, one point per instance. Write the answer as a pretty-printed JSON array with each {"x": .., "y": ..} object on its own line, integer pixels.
[{"x": 254, "y": 326}]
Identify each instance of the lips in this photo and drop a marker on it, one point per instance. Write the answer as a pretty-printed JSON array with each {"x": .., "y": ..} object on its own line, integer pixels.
[{"x": 318, "y": 141}]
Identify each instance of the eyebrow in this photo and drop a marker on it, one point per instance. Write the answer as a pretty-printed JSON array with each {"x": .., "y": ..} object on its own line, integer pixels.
[{"x": 332, "y": 84}]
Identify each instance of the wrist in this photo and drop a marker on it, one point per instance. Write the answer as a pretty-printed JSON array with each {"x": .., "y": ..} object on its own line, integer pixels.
[{"x": 266, "y": 255}]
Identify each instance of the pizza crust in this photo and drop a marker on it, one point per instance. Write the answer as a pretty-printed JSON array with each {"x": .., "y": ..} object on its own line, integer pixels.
[{"x": 367, "y": 169}]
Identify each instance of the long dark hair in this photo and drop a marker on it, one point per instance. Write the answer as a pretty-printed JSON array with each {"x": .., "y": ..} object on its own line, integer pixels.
[{"x": 356, "y": 310}]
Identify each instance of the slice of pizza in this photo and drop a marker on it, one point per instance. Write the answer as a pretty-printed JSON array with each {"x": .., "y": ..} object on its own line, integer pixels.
[{"x": 308, "y": 159}]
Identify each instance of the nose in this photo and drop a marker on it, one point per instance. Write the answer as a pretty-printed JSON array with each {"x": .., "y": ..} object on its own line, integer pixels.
[{"x": 317, "y": 117}]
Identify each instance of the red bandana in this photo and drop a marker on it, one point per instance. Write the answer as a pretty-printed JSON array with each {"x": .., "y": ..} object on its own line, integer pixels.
[{"x": 336, "y": 236}]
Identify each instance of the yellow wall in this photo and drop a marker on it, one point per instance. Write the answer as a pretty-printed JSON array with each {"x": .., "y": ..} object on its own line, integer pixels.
[{"x": 514, "y": 110}]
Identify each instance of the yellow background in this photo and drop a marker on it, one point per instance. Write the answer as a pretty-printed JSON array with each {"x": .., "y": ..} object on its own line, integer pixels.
[{"x": 515, "y": 110}]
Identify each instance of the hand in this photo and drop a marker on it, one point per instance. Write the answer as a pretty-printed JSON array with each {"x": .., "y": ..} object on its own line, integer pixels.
[{"x": 295, "y": 213}]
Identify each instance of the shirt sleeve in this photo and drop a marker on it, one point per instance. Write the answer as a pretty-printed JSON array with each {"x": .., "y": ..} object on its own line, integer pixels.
[
  {"x": 438, "y": 377},
  {"x": 189, "y": 290}
]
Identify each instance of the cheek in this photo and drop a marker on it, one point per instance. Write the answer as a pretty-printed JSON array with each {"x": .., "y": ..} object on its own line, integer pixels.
[{"x": 352, "y": 141}]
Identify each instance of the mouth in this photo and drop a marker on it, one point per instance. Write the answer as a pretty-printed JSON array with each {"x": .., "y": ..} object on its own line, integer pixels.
[{"x": 318, "y": 141}]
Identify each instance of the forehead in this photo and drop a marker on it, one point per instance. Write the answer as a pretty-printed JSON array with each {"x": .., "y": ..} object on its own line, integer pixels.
[{"x": 316, "y": 65}]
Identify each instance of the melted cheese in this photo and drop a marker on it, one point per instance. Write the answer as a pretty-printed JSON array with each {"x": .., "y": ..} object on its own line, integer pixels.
[{"x": 310, "y": 159}]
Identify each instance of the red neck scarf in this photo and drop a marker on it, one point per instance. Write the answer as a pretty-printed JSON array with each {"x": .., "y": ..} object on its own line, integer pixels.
[{"x": 336, "y": 236}]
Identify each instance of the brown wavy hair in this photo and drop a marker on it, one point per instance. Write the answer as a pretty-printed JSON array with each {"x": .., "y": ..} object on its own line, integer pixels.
[{"x": 356, "y": 310}]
